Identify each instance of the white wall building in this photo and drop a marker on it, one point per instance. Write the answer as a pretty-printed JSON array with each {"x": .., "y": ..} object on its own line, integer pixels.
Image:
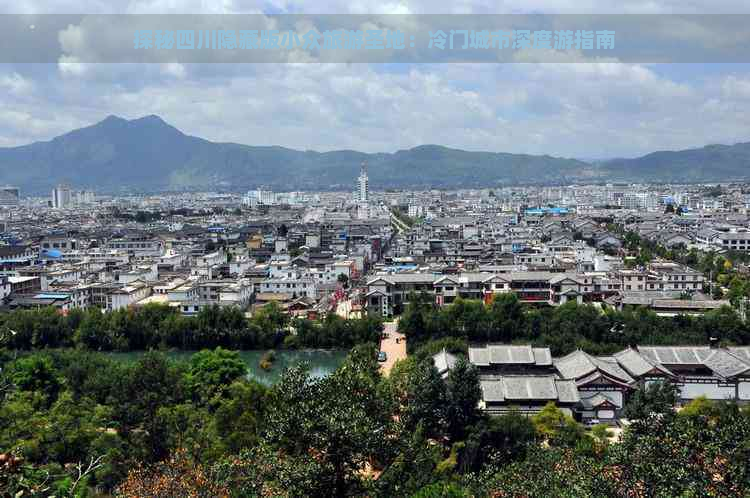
[{"x": 62, "y": 197}]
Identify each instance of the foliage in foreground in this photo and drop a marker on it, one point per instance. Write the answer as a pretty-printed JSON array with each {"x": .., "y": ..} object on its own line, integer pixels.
[{"x": 75, "y": 423}]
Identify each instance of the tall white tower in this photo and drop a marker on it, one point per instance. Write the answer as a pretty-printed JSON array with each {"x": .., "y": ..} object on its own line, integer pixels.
[
  {"x": 362, "y": 195},
  {"x": 363, "y": 184}
]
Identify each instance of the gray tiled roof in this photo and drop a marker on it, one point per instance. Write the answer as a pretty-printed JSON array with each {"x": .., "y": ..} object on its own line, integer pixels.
[
  {"x": 726, "y": 365},
  {"x": 610, "y": 366},
  {"x": 633, "y": 362},
  {"x": 596, "y": 400},
  {"x": 504, "y": 354},
  {"x": 675, "y": 355},
  {"x": 741, "y": 352},
  {"x": 542, "y": 356},
  {"x": 723, "y": 362},
  {"x": 529, "y": 387},
  {"x": 578, "y": 364},
  {"x": 479, "y": 356},
  {"x": 574, "y": 365},
  {"x": 492, "y": 390},
  {"x": 567, "y": 391}
]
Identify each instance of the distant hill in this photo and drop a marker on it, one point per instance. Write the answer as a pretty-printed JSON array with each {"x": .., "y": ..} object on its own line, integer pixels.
[
  {"x": 147, "y": 154},
  {"x": 709, "y": 163}
]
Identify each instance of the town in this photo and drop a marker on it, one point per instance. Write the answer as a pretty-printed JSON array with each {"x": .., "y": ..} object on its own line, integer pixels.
[
  {"x": 366, "y": 253},
  {"x": 654, "y": 282}
]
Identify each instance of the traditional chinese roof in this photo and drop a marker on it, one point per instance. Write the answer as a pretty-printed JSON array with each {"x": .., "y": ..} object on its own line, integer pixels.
[
  {"x": 637, "y": 365},
  {"x": 503, "y": 354},
  {"x": 514, "y": 388},
  {"x": 579, "y": 365},
  {"x": 598, "y": 400},
  {"x": 725, "y": 363}
]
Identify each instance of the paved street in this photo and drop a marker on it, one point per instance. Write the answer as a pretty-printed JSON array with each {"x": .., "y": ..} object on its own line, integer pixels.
[{"x": 395, "y": 351}]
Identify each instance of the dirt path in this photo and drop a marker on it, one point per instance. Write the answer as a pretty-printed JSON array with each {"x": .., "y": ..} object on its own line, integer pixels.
[{"x": 395, "y": 351}]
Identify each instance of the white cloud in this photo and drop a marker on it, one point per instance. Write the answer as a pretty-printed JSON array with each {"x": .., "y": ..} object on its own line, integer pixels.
[
  {"x": 598, "y": 109},
  {"x": 70, "y": 66},
  {"x": 174, "y": 69},
  {"x": 16, "y": 84},
  {"x": 734, "y": 87},
  {"x": 580, "y": 110}
]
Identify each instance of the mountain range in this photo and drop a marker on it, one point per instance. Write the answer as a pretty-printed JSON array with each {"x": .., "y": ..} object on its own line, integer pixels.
[{"x": 147, "y": 154}]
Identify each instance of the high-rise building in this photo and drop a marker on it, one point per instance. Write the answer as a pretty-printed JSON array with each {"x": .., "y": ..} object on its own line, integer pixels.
[
  {"x": 260, "y": 197},
  {"x": 363, "y": 185},
  {"x": 362, "y": 194},
  {"x": 9, "y": 196},
  {"x": 62, "y": 197},
  {"x": 85, "y": 197}
]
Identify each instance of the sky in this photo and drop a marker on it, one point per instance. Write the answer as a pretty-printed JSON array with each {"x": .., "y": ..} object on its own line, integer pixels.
[{"x": 587, "y": 110}]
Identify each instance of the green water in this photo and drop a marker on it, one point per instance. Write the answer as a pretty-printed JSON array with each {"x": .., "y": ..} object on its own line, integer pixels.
[{"x": 321, "y": 362}]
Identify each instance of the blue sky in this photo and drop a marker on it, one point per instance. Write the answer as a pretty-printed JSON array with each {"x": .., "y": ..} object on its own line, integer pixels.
[{"x": 588, "y": 110}]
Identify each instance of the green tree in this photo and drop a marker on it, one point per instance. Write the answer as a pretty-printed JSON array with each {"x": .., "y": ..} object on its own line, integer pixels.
[
  {"x": 343, "y": 280},
  {"x": 186, "y": 428},
  {"x": 699, "y": 407},
  {"x": 425, "y": 401},
  {"x": 556, "y": 427},
  {"x": 238, "y": 419},
  {"x": 412, "y": 467},
  {"x": 498, "y": 440},
  {"x": 686, "y": 456},
  {"x": 152, "y": 383},
  {"x": 35, "y": 373},
  {"x": 739, "y": 290},
  {"x": 441, "y": 490},
  {"x": 463, "y": 396},
  {"x": 657, "y": 398},
  {"x": 211, "y": 373},
  {"x": 333, "y": 426}
]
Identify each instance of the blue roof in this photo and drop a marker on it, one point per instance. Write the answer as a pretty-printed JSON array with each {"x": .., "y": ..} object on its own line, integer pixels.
[
  {"x": 549, "y": 210},
  {"x": 52, "y": 253},
  {"x": 51, "y": 296}
]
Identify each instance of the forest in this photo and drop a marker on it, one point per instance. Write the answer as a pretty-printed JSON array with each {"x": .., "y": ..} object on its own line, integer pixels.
[
  {"x": 77, "y": 423},
  {"x": 157, "y": 326},
  {"x": 564, "y": 328}
]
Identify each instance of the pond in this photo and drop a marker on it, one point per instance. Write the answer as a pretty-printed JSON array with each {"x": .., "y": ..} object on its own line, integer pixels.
[{"x": 321, "y": 362}]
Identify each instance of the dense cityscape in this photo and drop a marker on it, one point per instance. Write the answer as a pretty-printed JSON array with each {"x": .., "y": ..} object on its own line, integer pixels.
[{"x": 492, "y": 331}]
